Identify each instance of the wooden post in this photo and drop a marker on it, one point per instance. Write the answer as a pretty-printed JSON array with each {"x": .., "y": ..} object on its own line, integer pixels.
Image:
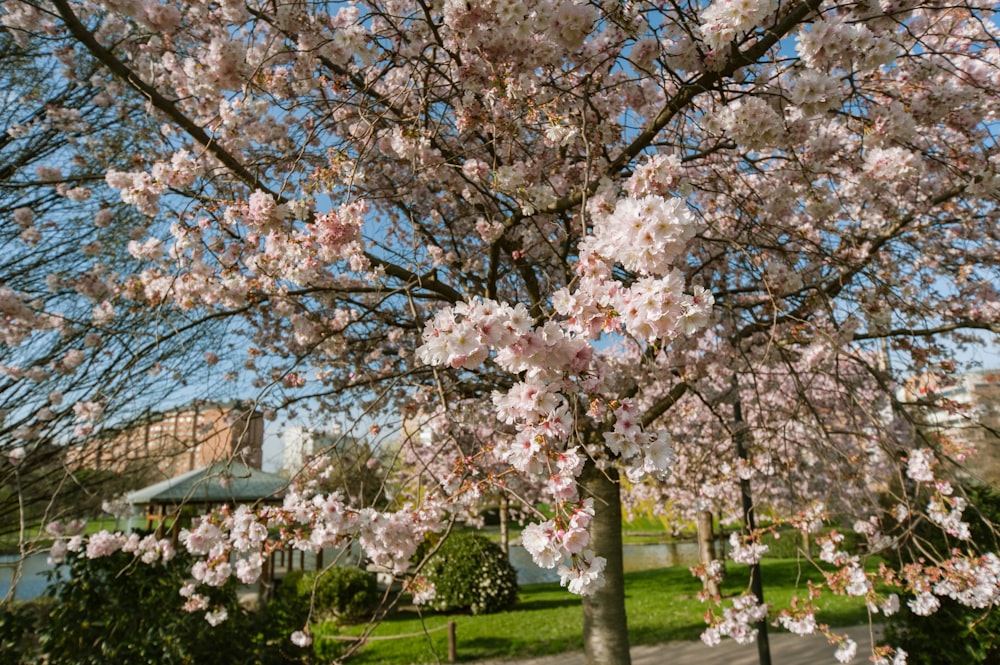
[
  {"x": 265, "y": 580},
  {"x": 504, "y": 527},
  {"x": 706, "y": 548},
  {"x": 452, "y": 643}
]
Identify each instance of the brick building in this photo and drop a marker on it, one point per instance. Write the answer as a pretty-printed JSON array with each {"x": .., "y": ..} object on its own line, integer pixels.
[{"x": 174, "y": 442}]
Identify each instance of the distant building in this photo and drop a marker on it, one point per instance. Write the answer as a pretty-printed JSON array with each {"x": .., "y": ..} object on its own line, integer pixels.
[
  {"x": 967, "y": 412},
  {"x": 301, "y": 443},
  {"x": 174, "y": 442}
]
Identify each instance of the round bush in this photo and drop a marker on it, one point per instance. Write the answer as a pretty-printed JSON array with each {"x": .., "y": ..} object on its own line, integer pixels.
[
  {"x": 471, "y": 573},
  {"x": 346, "y": 594}
]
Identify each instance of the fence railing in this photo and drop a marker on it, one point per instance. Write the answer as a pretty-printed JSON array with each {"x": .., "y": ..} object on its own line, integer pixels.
[{"x": 450, "y": 627}]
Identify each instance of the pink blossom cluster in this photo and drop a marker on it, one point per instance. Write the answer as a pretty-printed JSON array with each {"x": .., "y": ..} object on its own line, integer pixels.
[
  {"x": 19, "y": 318},
  {"x": 484, "y": 24},
  {"x": 645, "y": 453},
  {"x": 946, "y": 511},
  {"x": 69, "y": 538},
  {"x": 834, "y": 43},
  {"x": 815, "y": 92},
  {"x": 752, "y": 122},
  {"x": 799, "y": 623},
  {"x": 463, "y": 335},
  {"x": 899, "y": 657},
  {"x": 646, "y": 235},
  {"x": 847, "y": 649},
  {"x": 920, "y": 464},
  {"x": 711, "y": 572},
  {"x": 973, "y": 581},
  {"x": 828, "y": 549},
  {"x": 237, "y": 542},
  {"x": 337, "y": 234},
  {"x": 871, "y": 529},
  {"x": 890, "y": 164},
  {"x": 660, "y": 175},
  {"x": 746, "y": 549},
  {"x": 421, "y": 589},
  {"x": 736, "y": 622},
  {"x": 724, "y": 20},
  {"x": 557, "y": 541}
]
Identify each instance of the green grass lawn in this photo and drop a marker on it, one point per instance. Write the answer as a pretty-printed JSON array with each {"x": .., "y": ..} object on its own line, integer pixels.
[{"x": 662, "y": 605}]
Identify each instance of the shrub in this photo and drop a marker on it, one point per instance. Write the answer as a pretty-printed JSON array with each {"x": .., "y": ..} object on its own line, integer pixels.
[
  {"x": 345, "y": 594},
  {"x": 471, "y": 573},
  {"x": 342, "y": 595},
  {"x": 788, "y": 546},
  {"x": 286, "y": 612},
  {"x": 790, "y": 543},
  {"x": 114, "y": 610},
  {"x": 19, "y": 626}
]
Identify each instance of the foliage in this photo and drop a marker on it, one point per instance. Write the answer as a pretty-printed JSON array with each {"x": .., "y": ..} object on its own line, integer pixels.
[
  {"x": 345, "y": 593},
  {"x": 954, "y": 634},
  {"x": 19, "y": 626},
  {"x": 285, "y": 612},
  {"x": 115, "y": 611},
  {"x": 471, "y": 573},
  {"x": 789, "y": 544}
]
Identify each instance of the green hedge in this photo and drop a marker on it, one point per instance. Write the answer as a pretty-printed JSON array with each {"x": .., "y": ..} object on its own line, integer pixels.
[
  {"x": 343, "y": 594},
  {"x": 790, "y": 545},
  {"x": 470, "y": 573}
]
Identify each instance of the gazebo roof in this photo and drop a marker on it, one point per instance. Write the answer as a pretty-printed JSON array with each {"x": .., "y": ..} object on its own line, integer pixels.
[{"x": 222, "y": 482}]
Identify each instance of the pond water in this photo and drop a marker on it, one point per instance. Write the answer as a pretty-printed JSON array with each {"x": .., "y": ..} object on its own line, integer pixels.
[
  {"x": 637, "y": 557},
  {"x": 33, "y": 575}
]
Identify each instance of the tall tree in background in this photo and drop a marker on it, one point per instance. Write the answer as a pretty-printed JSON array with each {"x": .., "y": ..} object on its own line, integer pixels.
[
  {"x": 407, "y": 202},
  {"x": 75, "y": 359}
]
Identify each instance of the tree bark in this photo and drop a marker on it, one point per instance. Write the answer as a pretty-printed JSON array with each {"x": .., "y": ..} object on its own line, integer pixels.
[
  {"x": 706, "y": 547},
  {"x": 749, "y": 522},
  {"x": 504, "y": 526},
  {"x": 605, "y": 629}
]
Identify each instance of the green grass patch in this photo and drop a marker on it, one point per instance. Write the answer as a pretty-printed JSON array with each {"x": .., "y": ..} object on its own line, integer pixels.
[{"x": 662, "y": 605}]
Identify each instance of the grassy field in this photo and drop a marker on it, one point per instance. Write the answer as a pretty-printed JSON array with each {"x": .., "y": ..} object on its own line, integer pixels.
[{"x": 662, "y": 605}]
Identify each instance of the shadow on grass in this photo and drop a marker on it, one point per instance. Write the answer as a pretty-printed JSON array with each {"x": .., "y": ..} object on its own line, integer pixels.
[
  {"x": 481, "y": 648},
  {"x": 546, "y": 604},
  {"x": 656, "y": 634}
]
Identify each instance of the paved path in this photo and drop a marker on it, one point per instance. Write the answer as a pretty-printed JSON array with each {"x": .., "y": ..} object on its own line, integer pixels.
[{"x": 786, "y": 649}]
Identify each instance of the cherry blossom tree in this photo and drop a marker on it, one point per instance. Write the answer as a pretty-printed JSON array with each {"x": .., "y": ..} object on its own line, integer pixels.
[
  {"x": 813, "y": 435},
  {"x": 549, "y": 206},
  {"x": 453, "y": 450}
]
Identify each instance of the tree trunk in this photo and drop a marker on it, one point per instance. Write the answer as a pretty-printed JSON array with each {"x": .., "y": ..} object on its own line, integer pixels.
[
  {"x": 605, "y": 630},
  {"x": 706, "y": 548},
  {"x": 721, "y": 542},
  {"x": 504, "y": 527},
  {"x": 749, "y": 522}
]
